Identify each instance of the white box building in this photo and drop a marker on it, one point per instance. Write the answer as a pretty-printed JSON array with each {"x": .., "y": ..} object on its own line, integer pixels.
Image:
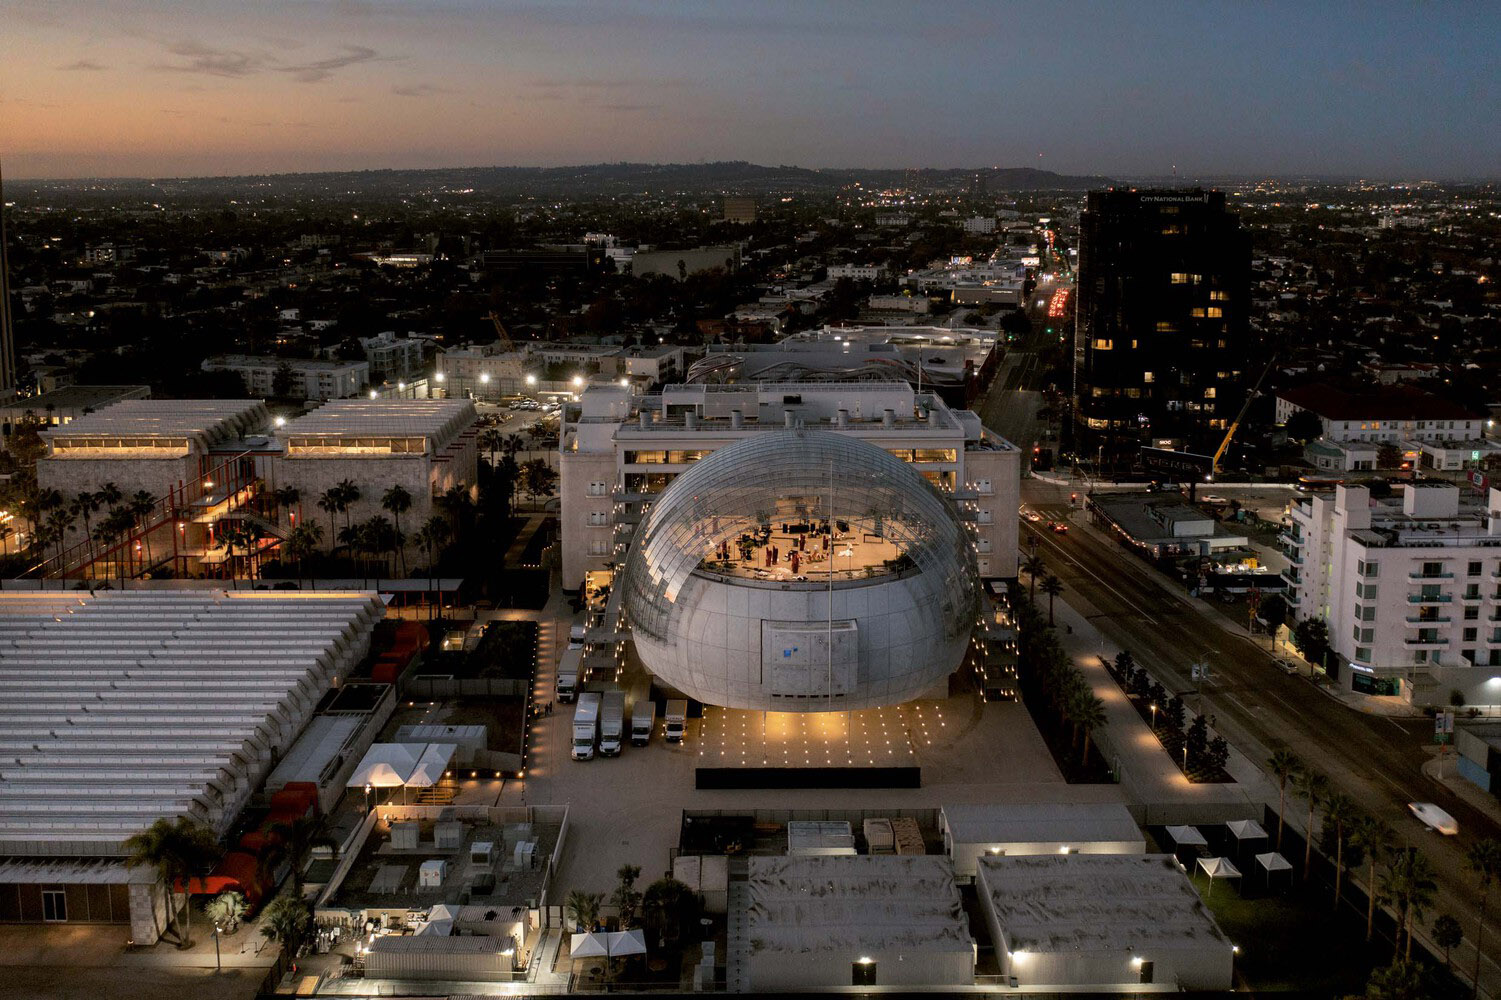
[
  {"x": 1410, "y": 588},
  {"x": 123, "y": 708},
  {"x": 311, "y": 378},
  {"x": 814, "y": 923},
  {"x": 1104, "y": 923},
  {"x": 979, "y": 830},
  {"x": 617, "y": 450}
]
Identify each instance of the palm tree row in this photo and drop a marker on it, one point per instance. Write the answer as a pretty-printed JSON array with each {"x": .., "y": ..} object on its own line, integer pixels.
[
  {"x": 1395, "y": 873},
  {"x": 1055, "y": 680},
  {"x": 55, "y": 517}
]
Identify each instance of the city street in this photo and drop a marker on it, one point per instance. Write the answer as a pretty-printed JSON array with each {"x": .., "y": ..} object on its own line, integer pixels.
[{"x": 1376, "y": 759}]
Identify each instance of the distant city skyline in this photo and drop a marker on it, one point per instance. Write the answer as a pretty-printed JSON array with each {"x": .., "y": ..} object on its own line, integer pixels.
[{"x": 144, "y": 88}]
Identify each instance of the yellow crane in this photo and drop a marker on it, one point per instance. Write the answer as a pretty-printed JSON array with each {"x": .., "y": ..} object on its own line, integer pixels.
[
  {"x": 1214, "y": 469},
  {"x": 500, "y": 332}
]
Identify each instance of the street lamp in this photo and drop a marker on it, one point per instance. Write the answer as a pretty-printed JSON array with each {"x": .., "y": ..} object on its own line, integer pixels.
[
  {"x": 1154, "y": 716},
  {"x": 218, "y": 966},
  {"x": 578, "y": 380},
  {"x": 531, "y": 380},
  {"x": 485, "y": 377},
  {"x": 368, "y": 789}
]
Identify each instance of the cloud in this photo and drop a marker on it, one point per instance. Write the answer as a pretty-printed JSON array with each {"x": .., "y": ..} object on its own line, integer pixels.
[
  {"x": 628, "y": 107},
  {"x": 212, "y": 61},
  {"x": 418, "y": 90},
  {"x": 83, "y": 65},
  {"x": 620, "y": 84},
  {"x": 209, "y": 60},
  {"x": 322, "y": 69}
]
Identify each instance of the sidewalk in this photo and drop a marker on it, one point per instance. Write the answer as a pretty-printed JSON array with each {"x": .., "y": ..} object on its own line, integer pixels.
[
  {"x": 1151, "y": 779},
  {"x": 1473, "y": 794}
]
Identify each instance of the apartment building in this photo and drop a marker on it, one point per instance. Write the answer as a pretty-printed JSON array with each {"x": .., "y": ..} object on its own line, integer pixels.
[
  {"x": 1430, "y": 431},
  {"x": 1410, "y": 587},
  {"x": 617, "y": 450},
  {"x": 391, "y": 357},
  {"x": 307, "y": 379}
]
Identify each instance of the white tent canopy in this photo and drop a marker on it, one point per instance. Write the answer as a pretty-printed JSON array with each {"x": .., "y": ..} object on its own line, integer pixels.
[
  {"x": 1273, "y": 862},
  {"x": 1187, "y": 836},
  {"x": 399, "y": 765},
  {"x": 624, "y": 943},
  {"x": 1245, "y": 829},
  {"x": 1219, "y": 868},
  {"x": 595, "y": 944}
]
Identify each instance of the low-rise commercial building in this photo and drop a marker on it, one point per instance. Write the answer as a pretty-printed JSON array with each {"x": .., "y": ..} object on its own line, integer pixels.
[
  {"x": 62, "y": 406},
  {"x": 816, "y": 923},
  {"x": 1410, "y": 587},
  {"x": 1103, "y": 922},
  {"x": 427, "y": 446},
  {"x": 975, "y": 831}
]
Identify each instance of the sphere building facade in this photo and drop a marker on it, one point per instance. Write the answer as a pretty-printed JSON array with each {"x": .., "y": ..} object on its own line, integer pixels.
[{"x": 801, "y": 570}]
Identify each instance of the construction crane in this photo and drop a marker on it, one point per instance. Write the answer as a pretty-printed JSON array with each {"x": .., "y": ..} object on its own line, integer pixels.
[
  {"x": 1214, "y": 468},
  {"x": 500, "y": 332}
]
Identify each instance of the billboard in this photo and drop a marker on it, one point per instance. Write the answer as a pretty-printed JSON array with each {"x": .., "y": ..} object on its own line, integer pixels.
[{"x": 1180, "y": 465}]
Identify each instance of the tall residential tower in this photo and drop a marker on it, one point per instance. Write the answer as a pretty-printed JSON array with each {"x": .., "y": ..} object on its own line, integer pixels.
[{"x": 1163, "y": 341}]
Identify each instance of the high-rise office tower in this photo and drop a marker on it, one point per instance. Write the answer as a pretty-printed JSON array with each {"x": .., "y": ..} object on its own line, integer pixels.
[
  {"x": 1162, "y": 339},
  {"x": 7, "y": 334}
]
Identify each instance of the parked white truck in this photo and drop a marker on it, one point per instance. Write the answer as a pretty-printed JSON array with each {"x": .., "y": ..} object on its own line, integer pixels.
[
  {"x": 643, "y": 720},
  {"x": 567, "y": 685},
  {"x": 677, "y": 720},
  {"x": 586, "y": 725},
  {"x": 612, "y": 723}
]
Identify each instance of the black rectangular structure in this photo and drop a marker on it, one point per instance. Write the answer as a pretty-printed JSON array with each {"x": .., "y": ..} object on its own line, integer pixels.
[
  {"x": 1162, "y": 343},
  {"x": 808, "y": 777}
]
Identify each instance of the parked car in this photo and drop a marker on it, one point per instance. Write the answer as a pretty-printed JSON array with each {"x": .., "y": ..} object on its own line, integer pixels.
[{"x": 1058, "y": 527}]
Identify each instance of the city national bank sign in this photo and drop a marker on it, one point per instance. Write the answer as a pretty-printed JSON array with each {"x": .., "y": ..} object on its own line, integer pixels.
[{"x": 1176, "y": 199}]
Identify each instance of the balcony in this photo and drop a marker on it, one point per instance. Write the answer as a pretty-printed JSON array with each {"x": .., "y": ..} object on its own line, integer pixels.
[
  {"x": 1291, "y": 576},
  {"x": 1421, "y": 622},
  {"x": 1290, "y": 541},
  {"x": 1426, "y": 642},
  {"x": 1429, "y": 599},
  {"x": 1418, "y": 576}
]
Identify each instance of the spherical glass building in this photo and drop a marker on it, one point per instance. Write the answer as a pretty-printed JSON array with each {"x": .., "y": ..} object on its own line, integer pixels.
[{"x": 801, "y": 571}]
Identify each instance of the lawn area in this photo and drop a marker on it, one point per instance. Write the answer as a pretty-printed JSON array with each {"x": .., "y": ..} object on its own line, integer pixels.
[{"x": 1292, "y": 942}]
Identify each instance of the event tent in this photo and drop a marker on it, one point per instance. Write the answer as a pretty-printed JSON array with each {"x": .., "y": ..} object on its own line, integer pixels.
[
  {"x": 623, "y": 943},
  {"x": 1218, "y": 868},
  {"x": 1187, "y": 836},
  {"x": 402, "y": 765},
  {"x": 595, "y": 944},
  {"x": 1273, "y": 862}
]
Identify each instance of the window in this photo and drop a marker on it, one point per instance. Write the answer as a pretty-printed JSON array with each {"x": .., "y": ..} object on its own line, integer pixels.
[
  {"x": 598, "y": 489},
  {"x": 1472, "y": 592},
  {"x": 1368, "y": 613},
  {"x": 1164, "y": 326},
  {"x": 1363, "y": 654},
  {"x": 1218, "y": 296},
  {"x": 1473, "y": 570},
  {"x": 1178, "y": 278},
  {"x": 54, "y": 905},
  {"x": 1197, "y": 312},
  {"x": 1215, "y": 312},
  {"x": 598, "y": 518},
  {"x": 1470, "y": 634},
  {"x": 1469, "y": 655},
  {"x": 1209, "y": 393},
  {"x": 1148, "y": 377},
  {"x": 1472, "y": 613},
  {"x": 1104, "y": 344},
  {"x": 599, "y": 546}
]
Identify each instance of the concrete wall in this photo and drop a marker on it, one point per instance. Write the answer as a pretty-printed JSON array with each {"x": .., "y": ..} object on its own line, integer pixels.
[
  {"x": 148, "y": 913},
  {"x": 576, "y": 470},
  {"x": 778, "y": 971},
  {"x": 71, "y": 476},
  {"x": 966, "y": 856}
]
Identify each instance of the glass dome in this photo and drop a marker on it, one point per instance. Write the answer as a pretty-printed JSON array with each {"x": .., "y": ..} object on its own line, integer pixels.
[{"x": 839, "y": 531}]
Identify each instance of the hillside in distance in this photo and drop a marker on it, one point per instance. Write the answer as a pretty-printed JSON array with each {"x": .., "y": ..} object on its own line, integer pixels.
[{"x": 596, "y": 180}]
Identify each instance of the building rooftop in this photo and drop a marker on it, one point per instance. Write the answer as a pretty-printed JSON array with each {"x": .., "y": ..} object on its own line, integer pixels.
[
  {"x": 1041, "y": 823},
  {"x": 435, "y": 419},
  {"x": 1095, "y": 902},
  {"x": 1386, "y": 402},
  {"x": 803, "y": 905},
  {"x": 76, "y": 397},
  {"x": 275, "y": 361},
  {"x": 203, "y": 421},
  {"x": 117, "y": 709}
]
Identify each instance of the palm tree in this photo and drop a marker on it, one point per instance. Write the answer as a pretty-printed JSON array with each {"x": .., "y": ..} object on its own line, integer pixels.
[
  {"x": 433, "y": 536},
  {"x": 353, "y": 540},
  {"x": 108, "y": 533},
  {"x": 1033, "y": 566},
  {"x": 226, "y": 910},
  {"x": 398, "y": 501},
  {"x": 1446, "y": 934},
  {"x": 1052, "y": 586},
  {"x": 514, "y": 443},
  {"x": 1284, "y": 764},
  {"x": 59, "y": 522},
  {"x": 457, "y": 501},
  {"x": 583, "y": 908},
  {"x": 303, "y": 542},
  {"x": 1339, "y": 811},
  {"x": 1371, "y": 837},
  {"x": 1484, "y": 860},
  {"x": 1313, "y": 786},
  {"x": 379, "y": 539},
  {"x": 179, "y": 850},
  {"x": 1088, "y": 714},
  {"x": 331, "y": 504},
  {"x": 492, "y": 440},
  {"x": 286, "y": 919},
  {"x": 109, "y": 495},
  {"x": 82, "y": 506},
  {"x": 142, "y": 503},
  {"x": 349, "y": 495},
  {"x": 286, "y": 498},
  {"x": 1410, "y": 886}
]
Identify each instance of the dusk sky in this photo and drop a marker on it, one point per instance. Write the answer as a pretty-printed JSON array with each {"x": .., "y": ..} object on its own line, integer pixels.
[{"x": 156, "y": 88}]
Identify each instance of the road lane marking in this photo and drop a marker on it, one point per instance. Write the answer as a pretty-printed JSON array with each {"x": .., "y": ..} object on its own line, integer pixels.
[{"x": 1101, "y": 580}]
